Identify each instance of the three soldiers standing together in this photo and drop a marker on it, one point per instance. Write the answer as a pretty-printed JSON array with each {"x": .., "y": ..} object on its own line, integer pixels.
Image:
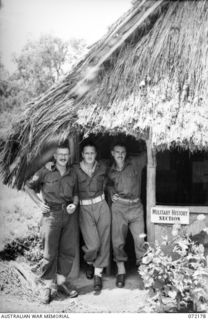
[{"x": 63, "y": 188}]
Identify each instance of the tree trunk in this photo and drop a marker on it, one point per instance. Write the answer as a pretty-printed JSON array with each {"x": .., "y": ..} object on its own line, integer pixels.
[{"x": 151, "y": 189}]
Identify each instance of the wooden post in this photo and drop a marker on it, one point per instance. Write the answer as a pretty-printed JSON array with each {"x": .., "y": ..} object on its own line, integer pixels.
[
  {"x": 76, "y": 265},
  {"x": 151, "y": 188}
]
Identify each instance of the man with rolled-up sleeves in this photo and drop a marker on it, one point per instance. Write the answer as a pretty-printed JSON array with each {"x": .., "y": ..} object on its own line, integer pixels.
[
  {"x": 58, "y": 205},
  {"x": 124, "y": 185}
]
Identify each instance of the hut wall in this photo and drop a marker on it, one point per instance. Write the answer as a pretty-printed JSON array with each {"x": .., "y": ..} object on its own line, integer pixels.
[{"x": 182, "y": 178}]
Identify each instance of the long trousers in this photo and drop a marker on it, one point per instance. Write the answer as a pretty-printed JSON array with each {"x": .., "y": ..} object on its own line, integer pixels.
[
  {"x": 126, "y": 216},
  {"x": 95, "y": 223},
  {"x": 58, "y": 233}
]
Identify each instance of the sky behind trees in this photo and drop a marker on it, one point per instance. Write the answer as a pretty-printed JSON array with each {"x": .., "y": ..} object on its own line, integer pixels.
[{"x": 22, "y": 20}]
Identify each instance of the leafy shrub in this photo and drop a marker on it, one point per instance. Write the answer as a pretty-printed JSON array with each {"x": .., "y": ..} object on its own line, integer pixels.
[
  {"x": 29, "y": 246},
  {"x": 176, "y": 285}
]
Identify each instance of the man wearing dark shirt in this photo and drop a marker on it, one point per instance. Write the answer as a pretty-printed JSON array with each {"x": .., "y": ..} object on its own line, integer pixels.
[
  {"x": 94, "y": 215},
  {"x": 58, "y": 187},
  {"x": 127, "y": 210}
]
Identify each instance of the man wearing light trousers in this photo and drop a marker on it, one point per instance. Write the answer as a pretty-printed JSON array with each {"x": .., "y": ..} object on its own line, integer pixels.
[{"x": 95, "y": 219}]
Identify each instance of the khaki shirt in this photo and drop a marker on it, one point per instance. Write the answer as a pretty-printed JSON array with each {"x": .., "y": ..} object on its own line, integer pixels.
[
  {"x": 54, "y": 187},
  {"x": 91, "y": 187},
  {"x": 127, "y": 182}
]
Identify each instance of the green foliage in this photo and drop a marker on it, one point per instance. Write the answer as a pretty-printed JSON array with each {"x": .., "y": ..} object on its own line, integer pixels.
[
  {"x": 180, "y": 284},
  {"x": 43, "y": 62},
  {"x": 19, "y": 226},
  {"x": 40, "y": 65},
  {"x": 29, "y": 246}
]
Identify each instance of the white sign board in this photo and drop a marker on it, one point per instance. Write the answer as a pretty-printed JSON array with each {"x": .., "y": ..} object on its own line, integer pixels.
[{"x": 170, "y": 215}]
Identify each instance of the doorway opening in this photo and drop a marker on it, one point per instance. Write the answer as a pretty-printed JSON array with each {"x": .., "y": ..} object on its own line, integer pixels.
[{"x": 134, "y": 147}]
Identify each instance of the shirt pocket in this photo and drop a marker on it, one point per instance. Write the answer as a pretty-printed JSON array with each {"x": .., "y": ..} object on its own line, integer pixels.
[
  {"x": 82, "y": 183},
  {"x": 100, "y": 183},
  {"x": 96, "y": 184},
  {"x": 67, "y": 187},
  {"x": 135, "y": 173},
  {"x": 51, "y": 185}
]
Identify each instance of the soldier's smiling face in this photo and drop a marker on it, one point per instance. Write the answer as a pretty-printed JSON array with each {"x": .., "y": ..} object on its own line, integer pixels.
[
  {"x": 119, "y": 154},
  {"x": 89, "y": 154},
  {"x": 62, "y": 156}
]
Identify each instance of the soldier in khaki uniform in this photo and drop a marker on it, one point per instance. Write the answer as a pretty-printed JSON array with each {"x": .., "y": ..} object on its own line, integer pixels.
[
  {"x": 127, "y": 210},
  {"x": 95, "y": 219},
  {"x": 58, "y": 186}
]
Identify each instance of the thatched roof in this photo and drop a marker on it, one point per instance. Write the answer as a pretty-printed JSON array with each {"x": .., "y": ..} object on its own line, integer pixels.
[{"x": 148, "y": 73}]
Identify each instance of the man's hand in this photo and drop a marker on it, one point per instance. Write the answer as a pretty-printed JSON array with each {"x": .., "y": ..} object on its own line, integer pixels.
[
  {"x": 115, "y": 197},
  {"x": 49, "y": 165},
  {"x": 43, "y": 207},
  {"x": 71, "y": 208}
]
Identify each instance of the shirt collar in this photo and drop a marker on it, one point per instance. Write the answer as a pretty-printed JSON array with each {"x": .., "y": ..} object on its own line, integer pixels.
[
  {"x": 86, "y": 170},
  {"x": 126, "y": 163},
  {"x": 68, "y": 169}
]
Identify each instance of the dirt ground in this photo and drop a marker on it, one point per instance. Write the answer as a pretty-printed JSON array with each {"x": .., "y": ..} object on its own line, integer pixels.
[{"x": 130, "y": 299}]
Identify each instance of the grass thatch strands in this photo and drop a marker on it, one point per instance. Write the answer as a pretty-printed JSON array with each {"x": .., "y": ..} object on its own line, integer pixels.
[
  {"x": 171, "y": 60},
  {"x": 156, "y": 79}
]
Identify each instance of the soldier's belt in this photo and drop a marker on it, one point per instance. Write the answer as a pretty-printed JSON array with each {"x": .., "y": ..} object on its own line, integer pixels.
[
  {"x": 87, "y": 202},
  {"x": 58, "y": 206},
  {"x": 128, "y": 201}
]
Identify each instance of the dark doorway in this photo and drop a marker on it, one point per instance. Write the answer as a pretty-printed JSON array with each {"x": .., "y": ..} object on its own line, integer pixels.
[{"x": 182, "y": 178}]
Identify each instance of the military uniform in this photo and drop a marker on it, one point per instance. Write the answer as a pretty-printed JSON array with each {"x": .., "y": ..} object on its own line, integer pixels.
[
  {"x": 94, "y": 217},
  {"x": 57, "y": 226},
  {"x": 127, "y": 210}
]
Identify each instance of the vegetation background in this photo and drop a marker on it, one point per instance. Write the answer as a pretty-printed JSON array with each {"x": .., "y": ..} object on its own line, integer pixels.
[{"x": 40, "y": 65}]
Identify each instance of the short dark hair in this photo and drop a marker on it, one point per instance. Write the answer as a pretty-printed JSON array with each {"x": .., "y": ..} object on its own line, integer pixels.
[
  {"x": 63, "y": 145},
  {"x": 88, "y": 143},
  {"x": 118, "y": 144}
]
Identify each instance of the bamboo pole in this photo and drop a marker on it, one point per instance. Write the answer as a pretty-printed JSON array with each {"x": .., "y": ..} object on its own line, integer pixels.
[
  {"x": 151, "y": 188},
  {"x": 76, "y": 264}
]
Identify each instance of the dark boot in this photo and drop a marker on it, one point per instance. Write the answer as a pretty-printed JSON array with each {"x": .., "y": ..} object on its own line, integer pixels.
[
  {"x": 98, "y": 283},
  {"x": 68, "y": 290},
  {"x": 120, "y": 280},
  {"x": 89, "y": 271}
]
